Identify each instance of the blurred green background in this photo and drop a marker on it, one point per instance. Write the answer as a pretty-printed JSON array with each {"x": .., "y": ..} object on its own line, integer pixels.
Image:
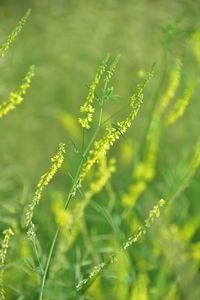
[{"x": 66, "y": 40}]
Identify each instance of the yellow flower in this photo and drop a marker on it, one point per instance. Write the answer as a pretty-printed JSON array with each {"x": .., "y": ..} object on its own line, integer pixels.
[
  {"x": 144, "y": 170},
  {"x": 63, "y": 217},
  {"x": 112, "y": 134},
  {"x": 18, "y": 96},
  {"x": 153, "y": 215},
  {"x": 87, "y": 106},
  {"x": 127, "y": 152},
  {"x": 57, "y": 161},
  {"x": 140, "y": 288},
  {"x": 179, "y": 107},
  {"x": 141, "y": 73},
  {"x": 174, "y": 81},
  {"x": 14, "y": 33},
  {"x": 3, "y": 252}
]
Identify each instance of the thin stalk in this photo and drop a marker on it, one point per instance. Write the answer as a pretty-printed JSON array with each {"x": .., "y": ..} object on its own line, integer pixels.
[
  {"x": 48, "y": 262},
  {"x": 70, "y": 195},
  {"x": 66, "y": 206},
  {"x": 83, "y": 139},
  {"x": 37, "y": 256},
  {"x": 100, "y": 115}
]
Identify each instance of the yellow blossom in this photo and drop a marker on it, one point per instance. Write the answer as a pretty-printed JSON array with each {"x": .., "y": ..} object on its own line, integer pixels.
[
  {"x": 57, "y": 161},
  {"x": 141, "y": 73},
  {"x": 70, "y": 221},
  {"x": 173, "y": 84},
  {"x": 144, "y": 170},
  {"x": 70, "y": 124},
  {"x": 87, "y": 106},
  {"x": 63, "y": 217},
  {"x": 110, "y": 71},
  {"x": 102, "y": 146},
  {"x": 179, "y": 107},
  {"x": 14, "y": 33},
  {"x": 135, "y": 191},
  {"x": 142, "y": 230},
  {"x": 3, "y": 252},
  {"x": 127, "y": 152},
  {"x": 140, "y": 288},
  {"x": 18, "y": 96}
]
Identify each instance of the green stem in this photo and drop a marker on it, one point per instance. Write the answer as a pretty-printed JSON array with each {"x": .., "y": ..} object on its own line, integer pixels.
[
  {"x": 83, "y": 139},
  {"x": 48, "y": 263},
  {"x": 80, "y": 166},
  {"x": 37, "y": 256},
  {"x": 100, "y": 115},
  {"x": 66, "y": 206}
]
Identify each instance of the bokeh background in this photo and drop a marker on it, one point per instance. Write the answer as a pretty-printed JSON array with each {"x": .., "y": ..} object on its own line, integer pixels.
[{"x": 66, "y": 41}]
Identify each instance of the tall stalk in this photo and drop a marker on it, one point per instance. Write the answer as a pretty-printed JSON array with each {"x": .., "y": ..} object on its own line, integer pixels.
[{"x": 53, "y": 243}]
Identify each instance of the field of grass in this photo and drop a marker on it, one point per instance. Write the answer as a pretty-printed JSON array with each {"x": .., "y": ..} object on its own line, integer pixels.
[{"x": 99, "y": 150}]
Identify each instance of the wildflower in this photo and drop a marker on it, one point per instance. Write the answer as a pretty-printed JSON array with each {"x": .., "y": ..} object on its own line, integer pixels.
[
  {"x": 141, "y": 73},
  {"x": 57, "y": 161},
  {"x": 70, "y": 222},
  {"x": 104, "y": 173},
  {"x": 112, "y": 134},
  {"x": 127, "y": 152},
  {"x": 14, "y": 33},
  {"x": 87, "y": 107},
  {"x": 145, "y": 169},
  {"x": 93, "y": 274},
  {"x": 153, "y": 214},
  {"x": 63, "y": 217},
  {"x": 142, "y": 230},
  {"x": 179, "y": 107},
  {"x": 173, "y": 84},
  {"x": 3, "y": 252},
  {"x": 70, "y": 124},
  {"x": 140, "y": 288},
  {"x": 18, "y": 96},
  {"x": 135, "y": 191},
  {"x": 111, "y": 70}
]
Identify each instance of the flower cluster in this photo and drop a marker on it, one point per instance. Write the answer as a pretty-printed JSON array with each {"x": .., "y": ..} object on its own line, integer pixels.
[
  {"x": 18, "y": 96},
  {"x": 110, "y": 71},
  {"x": 106, "y": 169},
  {"x": 93, "y": 274},
  {"x": 173, "y": 84},
  {"x": 153, "y": 215},
  {"x": 70, "y": 222},
  {"x": 179, "y": 107},
  {"x": 3, "y": 252},
  {"x": 14, "y": 33},
  {"x": 87, "y": 107},
  {"x": 57, "y": 161},
  {"x": 144, "y": 170},
  {"x": 112, "y": 134}
]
